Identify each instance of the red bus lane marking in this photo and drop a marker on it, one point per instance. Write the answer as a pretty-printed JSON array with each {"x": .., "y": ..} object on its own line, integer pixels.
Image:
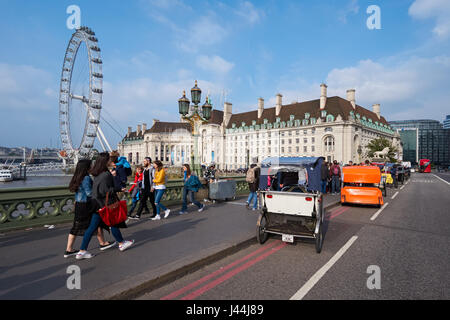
[
  {"x": 336, "y": 212},
  {"x": 339, "y": 213},
  {"x": 232, "y": 273},
  {"x": 217, "y": 272}
]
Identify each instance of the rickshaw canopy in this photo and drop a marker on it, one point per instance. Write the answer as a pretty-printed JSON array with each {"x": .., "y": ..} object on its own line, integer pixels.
[{"x": 274, "y": 165}]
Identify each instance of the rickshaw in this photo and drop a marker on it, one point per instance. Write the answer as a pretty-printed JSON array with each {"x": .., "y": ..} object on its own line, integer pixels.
[
  {"x": 296, "y": 211},
  {"x": 362, "y": 185}
]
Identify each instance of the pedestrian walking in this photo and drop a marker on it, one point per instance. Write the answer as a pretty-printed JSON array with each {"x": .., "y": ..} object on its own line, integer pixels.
[
  {"x": 123, "y": 170},
  {"x": 81, "y": 185},
  {"x": 324, "y": 177},
  {"x": 148, "y": 190},
  {"x": 394, "y": 176},
  {"x": 135, "y": 188},
  {"x": 335, "y": 178},
  {"x": 191, "y": 186},
  {"x": 252, "y": 179},
  {"x": 160, "y": 188},
  {"x": 103, "y": 184}
]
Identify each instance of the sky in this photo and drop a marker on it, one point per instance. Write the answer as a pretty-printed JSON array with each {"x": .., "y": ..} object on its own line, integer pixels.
[{"x": 238, "y": 51}]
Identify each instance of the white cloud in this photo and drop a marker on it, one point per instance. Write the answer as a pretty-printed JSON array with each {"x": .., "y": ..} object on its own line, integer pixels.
[
  {"x": 26, "y": 87},
  {"x": 248, "y": 11},
  {"x": 214, "y": 64},
  {"x": 410, "y": 89},
  {"x": 437, "y": 9},
  {"x": 352, "y": 7}
]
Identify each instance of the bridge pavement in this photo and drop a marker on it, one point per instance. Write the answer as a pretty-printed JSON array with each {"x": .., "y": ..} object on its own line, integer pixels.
[{"x": 32, "y": 264}]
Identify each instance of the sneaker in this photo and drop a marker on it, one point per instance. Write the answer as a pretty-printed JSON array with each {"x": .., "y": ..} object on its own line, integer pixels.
[
  {"x": 136, "y": 217},
  {"x": 158, "y": 217},
  {"x": 247, "y": 205},
  {"x": 83, "y": 255},
  {"x": 182, "y": 212},
  {"x": 201, "y": 209},
  {"x": 167, "y": 212},
  {"x": 70, "y": 253},
  {"x": 254, "y": 209},
  {"x": 125, "y": 245},
  {"x": 107, "y": 246}
]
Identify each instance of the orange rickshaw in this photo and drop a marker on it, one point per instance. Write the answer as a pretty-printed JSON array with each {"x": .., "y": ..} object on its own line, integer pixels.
[{"x": 362, "y": 185}]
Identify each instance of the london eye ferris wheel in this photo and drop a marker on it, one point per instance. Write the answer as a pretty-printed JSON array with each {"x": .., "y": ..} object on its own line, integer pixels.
[{"x": 80, "y": 100}]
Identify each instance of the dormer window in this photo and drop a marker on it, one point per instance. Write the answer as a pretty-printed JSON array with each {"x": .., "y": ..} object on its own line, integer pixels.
[
  {"x": 254, "y": 123},
  {"x": 292, "y": 117},
  {"x": 313, "y": 120},
  {"x": 307, "y": 115},
  {"x": 266, "y": 121},
  {"x": 323, "y": 114},
  {"x": 233, "y": 125},
  {"x": 278, "y": 119},
  {"x": 330, "y": 118},
  {"x": 243, "y": 124}
]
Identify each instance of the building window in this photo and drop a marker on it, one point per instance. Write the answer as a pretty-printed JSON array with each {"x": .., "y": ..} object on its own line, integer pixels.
[
  {"x": 282, "y": 150},
  {"x": 329, "y": 144},
  {"x": 297, "y": 149},
  {"x": 313, "y": 149},
  {"x": 289, "y": 149},
  {"x": 305, "y": 131},
  {"x": 305, "y": 149},
  {"x": 313, "y": 140},
  {"x": 305, "y": 140}
]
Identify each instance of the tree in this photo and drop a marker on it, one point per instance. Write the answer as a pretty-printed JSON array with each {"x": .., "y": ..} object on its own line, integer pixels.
[{"x": 378, "y": 145}]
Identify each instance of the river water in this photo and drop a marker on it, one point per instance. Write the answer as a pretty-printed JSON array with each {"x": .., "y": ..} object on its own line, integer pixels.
[{"x": 31, "y": 182}]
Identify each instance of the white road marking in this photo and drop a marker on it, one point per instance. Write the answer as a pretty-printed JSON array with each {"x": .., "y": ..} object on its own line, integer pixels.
[
  {"x": 442, "y": 179},
  {"x": 403, "y": 187},
  {"x": 238, "y": 203},
  {"x": 321, "y": 272},
  {"x": 394, "y": 195},
  {"x": 379, "y": 211}
]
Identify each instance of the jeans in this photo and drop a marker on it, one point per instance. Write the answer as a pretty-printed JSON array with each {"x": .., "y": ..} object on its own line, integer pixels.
[
  {"x": 95, "y": 222},
  {"x": 323, "y": 185},
  {"x": 336, "y": 184},
  {"x": 250, "y": 197},
  {"x": 191, "y": 195},
  {"x": 159, "y": 206}
]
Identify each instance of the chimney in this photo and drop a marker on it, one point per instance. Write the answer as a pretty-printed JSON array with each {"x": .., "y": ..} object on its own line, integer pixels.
[
  {"x": 278, "y": 105},
  {"x": 138, "y": 132},
  {"x": 260, "y": 107},
  {"x": 129, "y": 131},
  {"x": 351, "y": 97},
  {"x": 155, "y": 121},
  {"x": 227, "y": 112},
  {"x": 323, "y": 96},
  {"x": 376, "y": 110},
  {"x": 144, "y": 127}
]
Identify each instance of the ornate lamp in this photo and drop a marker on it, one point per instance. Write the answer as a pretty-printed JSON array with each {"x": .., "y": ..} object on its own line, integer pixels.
[
  {"x": 183, "y": 104},
  {"x": 206, "y": 109},
  {"x": 196, "y": 94}
]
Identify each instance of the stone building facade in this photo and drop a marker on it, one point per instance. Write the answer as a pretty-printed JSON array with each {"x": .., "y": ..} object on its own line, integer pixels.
[{"x": 333, "y": 127}]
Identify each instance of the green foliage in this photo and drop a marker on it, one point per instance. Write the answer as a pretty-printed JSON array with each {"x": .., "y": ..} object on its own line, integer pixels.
[{"x": 378, "y": 145}]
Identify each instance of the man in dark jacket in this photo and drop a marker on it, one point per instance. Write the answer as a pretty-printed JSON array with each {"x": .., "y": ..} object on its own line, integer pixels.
[
  {"x": 324, "y": 177},
  {"x": 147, "y": 192}
]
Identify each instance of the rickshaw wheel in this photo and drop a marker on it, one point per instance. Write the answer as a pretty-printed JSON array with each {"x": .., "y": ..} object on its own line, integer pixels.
[
  {"x": 319, "y": 239},
  {"x": 262, "y": 236}
]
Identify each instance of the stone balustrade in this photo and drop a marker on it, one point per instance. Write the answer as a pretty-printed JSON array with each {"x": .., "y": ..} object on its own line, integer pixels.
[{"x": 28, "y": 204}]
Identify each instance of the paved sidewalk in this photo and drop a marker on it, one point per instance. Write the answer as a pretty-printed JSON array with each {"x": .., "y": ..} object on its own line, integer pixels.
[{"x": 33, "y": 267}]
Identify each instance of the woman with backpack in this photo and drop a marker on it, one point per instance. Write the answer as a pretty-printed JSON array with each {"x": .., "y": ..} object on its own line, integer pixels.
[
  {"x": 191, "y": 186},
  {"x": 81, "y": 185},
  {"x": 253, "y": 183}
]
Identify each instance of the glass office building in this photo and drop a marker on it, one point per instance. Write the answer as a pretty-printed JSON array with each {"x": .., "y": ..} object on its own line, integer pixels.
[
  {"x": 447, "y": 122},
  {"x": 432, "y": 141}
]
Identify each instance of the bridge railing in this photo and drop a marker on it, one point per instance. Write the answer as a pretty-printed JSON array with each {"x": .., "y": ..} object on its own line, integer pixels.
[{"x": 26, "y": 206}]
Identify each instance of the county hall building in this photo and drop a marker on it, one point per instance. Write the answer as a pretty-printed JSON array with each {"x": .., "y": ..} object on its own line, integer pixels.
[{"x": 332, "y": 127}]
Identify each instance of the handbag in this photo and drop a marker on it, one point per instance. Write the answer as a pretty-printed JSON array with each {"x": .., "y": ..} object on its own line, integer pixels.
[{"x": 115, "y": 213}]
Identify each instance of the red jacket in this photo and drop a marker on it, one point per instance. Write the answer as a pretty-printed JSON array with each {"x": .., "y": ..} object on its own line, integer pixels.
[
  {"x": 137, "y": 178},
  {"x": 332, "y": 169}
]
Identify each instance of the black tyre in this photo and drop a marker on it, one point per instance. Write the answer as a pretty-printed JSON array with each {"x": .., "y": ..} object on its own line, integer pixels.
[
  {"x": 261, "y": 235},
  {"x": 319, "y": 239}
]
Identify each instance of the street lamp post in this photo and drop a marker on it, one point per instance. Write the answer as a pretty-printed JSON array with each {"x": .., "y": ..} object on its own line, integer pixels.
[{"x": 196, "y": 118}]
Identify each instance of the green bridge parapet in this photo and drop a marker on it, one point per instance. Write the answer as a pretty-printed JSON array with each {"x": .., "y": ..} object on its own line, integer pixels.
[{"x": 28, "y": 207}]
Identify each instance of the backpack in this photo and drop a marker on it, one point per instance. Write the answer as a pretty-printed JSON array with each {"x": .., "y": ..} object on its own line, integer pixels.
[
  {"x": 336, "y": 170},
  {"x": 250, "y": 176},
  {"x": 128, "y": 171}
]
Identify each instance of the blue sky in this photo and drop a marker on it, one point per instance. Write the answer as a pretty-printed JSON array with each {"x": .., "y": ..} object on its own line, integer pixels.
[{"x": 154, "y": 49}]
